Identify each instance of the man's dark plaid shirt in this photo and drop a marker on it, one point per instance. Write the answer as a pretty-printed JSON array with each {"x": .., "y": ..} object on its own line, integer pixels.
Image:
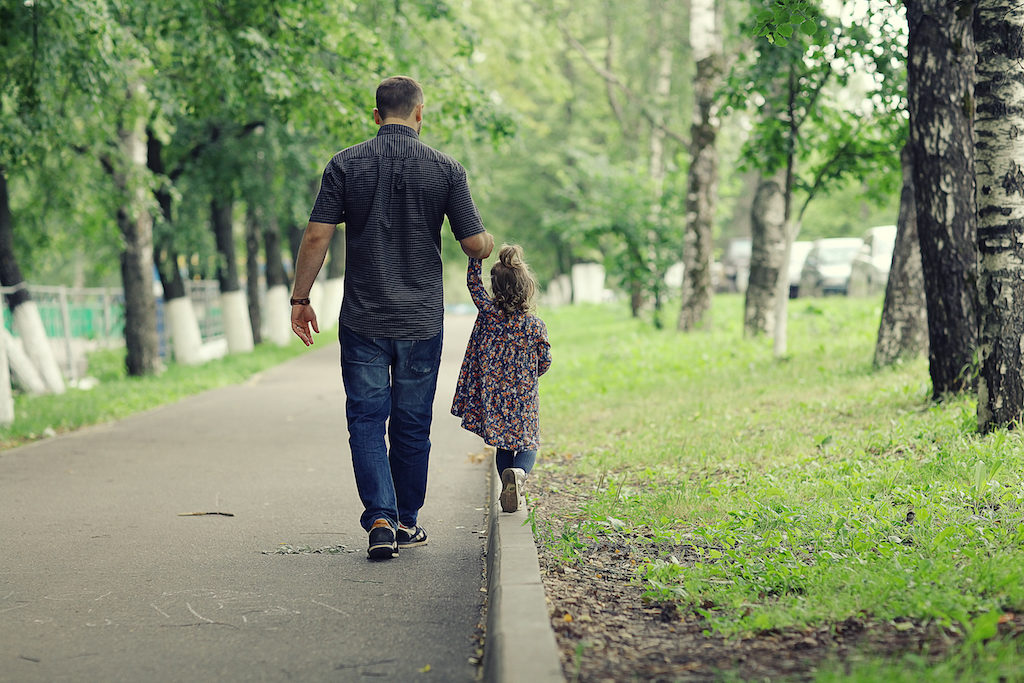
[{"x": 392, "y": 192}]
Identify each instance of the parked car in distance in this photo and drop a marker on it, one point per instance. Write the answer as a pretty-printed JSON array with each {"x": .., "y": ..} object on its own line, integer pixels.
[
  {"x": 870, "y": 270},
  {"x": 827, "y": 268},
  {"x": 736, "y": 265},
  {"x": 797, "y": 255}
]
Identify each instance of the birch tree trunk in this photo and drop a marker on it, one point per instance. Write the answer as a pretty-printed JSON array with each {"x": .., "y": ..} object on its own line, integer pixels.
[
  {"x": 253, "y": 230},
  {"x": 278, "y": 310},
  {"x": 656, "y": 168},
  {"x": 334, "y": 285},
  {"x": 780, "y": 311},
  {"x": 237, "y": 328},
  {"x": 179, "y": 314},
  {"x": 903, "y": 330},
  {"x": 768, "y": 242},
  {"x": 999, "y": 27},
  {"x": 940, "y": 89},
  {"x": 702, "y": 177},
  {"x": 142, "y": 344}
]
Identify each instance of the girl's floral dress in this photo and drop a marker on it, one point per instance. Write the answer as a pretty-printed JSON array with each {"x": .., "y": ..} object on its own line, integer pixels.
[{"x": 496, "y": 396}]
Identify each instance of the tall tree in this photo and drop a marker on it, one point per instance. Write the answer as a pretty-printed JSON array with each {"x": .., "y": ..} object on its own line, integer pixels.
[
  {"x": 830, "y": 105},
  {"x": 769, "y": 221},
  {"x": 903, "y": 330},
  {"x": 999, "y": 29},
  {"x": 940, "y": 84},
  {"x": 56, "y": 63},
  {"x": 702, "y": 176},
  {"x": 126, "y": 164}
]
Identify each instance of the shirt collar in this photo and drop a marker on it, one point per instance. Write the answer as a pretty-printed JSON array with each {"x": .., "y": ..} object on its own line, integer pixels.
[{"x": 397, "y": 129}]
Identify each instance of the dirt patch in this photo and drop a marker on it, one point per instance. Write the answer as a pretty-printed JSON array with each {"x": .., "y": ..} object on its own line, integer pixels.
[{"x": 606, "y": 631}]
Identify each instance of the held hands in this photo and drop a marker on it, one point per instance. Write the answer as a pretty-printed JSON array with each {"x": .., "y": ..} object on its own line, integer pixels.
[
  {"x": 489, "y": 246},
  {"x": 304, "y": 317}
]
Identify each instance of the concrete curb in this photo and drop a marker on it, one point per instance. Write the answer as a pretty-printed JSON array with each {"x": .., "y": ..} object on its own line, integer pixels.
[{"x": 519, "y": 644}]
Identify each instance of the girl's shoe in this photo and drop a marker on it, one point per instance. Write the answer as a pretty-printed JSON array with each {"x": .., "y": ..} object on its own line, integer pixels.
[{"x": 512, "y": 498}]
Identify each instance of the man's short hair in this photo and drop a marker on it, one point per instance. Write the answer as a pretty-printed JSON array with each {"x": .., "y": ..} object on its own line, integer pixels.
[{"x": 398, "y": 96}]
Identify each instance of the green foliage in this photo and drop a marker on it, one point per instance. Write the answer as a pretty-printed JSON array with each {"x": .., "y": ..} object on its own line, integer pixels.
[
  {"x": 622, "y": 220},
  {"x": 827, "y": 98},
  {"x": 781, "y": 19},
  {"x": 769, "y": 494}
]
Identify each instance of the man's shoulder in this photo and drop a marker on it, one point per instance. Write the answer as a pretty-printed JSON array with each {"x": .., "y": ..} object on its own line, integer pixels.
[
  {"x": 397, "y": 146},
  {"x": 421, "y": 150}
]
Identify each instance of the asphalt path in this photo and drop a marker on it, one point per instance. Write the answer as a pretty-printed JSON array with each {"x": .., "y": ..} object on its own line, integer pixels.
[{"x": 103, "y": 579}]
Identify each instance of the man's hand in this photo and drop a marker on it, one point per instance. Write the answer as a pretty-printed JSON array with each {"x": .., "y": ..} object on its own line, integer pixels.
[
  {"x": 479, "y": 245},
  {"x": 304, "y": 317}
]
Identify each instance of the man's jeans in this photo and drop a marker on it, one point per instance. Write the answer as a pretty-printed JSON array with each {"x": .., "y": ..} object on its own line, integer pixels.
[{"x": 389, "y": 381}]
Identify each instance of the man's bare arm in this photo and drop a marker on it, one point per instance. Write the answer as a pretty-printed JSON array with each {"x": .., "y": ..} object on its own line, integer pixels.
[
  {"x": 479, "y": 245},
  {"x": 312, "y": 252}
]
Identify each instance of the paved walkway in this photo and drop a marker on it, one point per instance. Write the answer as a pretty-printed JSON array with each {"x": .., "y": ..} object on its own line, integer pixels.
[{"x": 102, "y": 579}]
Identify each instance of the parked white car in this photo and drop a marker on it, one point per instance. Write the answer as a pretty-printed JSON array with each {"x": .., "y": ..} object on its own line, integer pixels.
[
  {"x": 828, "y": 265},
  {"x": 869, "y": 272},
  {"x": 797, "y": 255}
]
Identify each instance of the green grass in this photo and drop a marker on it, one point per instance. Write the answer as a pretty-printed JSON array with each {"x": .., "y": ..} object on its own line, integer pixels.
[
  {"x": 769, "y": 494},
  {"x": 117, "y": 395}
]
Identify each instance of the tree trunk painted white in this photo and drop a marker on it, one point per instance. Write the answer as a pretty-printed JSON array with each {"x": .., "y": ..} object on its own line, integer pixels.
[
  {"x": 330, "y": 305},
  {"x": 24, "y": 373},
  {"x": 587, "y": 283},
  {"x": 18, "y": 299},
  {"x": 186, "y": 340},
  {"x": 559, "y": 292},
  {"x": 940, "y": 99},
  {"x": 999, "y": 30},
  {"x": 237, "y": 328},
  {"x": 28, "y": 325},
  {"x": 702, "y": 177},
  {"x": 278, "y": 316},
  {"x": 6, "y": 396}
]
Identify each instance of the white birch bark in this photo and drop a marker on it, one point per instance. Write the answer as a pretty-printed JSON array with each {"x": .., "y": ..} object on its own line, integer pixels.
[
  {"x": 702, "y": 176},
  {"x": 768, "y": 234},
  {"x": 999, "y": 92},
  {"x": 780, "y": 331}
]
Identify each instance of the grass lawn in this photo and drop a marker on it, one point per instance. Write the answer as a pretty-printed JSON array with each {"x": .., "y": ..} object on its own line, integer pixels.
[{"x": 794, "y": 492}]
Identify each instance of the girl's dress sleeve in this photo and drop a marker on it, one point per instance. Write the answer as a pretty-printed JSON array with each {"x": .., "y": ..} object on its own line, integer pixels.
[
  {"x": 476, "y": 287},
  {"x": 543, "y": 351}
]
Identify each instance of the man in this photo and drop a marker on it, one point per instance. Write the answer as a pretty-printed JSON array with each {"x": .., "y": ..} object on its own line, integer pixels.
[{"x": 392, "y": 192}]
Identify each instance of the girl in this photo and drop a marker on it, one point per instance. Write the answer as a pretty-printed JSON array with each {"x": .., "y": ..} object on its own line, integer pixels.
[{"x": 508, "y": 350}]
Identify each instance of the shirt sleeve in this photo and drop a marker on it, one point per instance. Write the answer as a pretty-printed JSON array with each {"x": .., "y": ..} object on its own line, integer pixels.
[
  {"x": 462, "y": 212},
  {"x": 476, "y": 287},
  {"x": 330, "y": 202}
]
